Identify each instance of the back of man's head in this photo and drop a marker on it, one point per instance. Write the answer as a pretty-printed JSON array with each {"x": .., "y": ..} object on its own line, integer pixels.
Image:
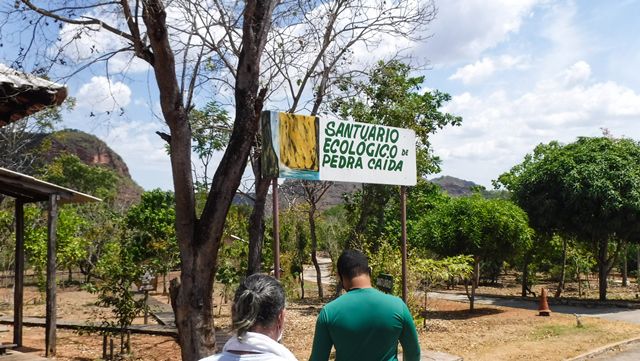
[{"x": 352, "y": 263}]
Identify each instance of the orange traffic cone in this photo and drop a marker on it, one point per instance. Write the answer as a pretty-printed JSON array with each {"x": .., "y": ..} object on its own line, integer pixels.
[{"x": 543, "y": 306}]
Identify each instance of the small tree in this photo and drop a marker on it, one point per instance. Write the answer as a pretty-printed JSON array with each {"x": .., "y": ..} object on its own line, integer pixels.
[
  {"x": 486, "y": 229},
  {"x": 151, "y": 238}
]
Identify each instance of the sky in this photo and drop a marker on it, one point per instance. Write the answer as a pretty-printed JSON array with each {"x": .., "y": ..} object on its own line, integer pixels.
[{"x": 520, "y": 73}]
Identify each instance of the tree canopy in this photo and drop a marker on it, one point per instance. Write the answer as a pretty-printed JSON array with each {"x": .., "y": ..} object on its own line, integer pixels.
[
  {"x": 588, "y": 189},
  {"x": 489, "y": 229}
]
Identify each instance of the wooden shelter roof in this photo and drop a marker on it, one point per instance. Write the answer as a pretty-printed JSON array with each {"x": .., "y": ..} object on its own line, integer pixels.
[
  {"x": 24, "y": 94},
  {"x": 30, "y": 189}
]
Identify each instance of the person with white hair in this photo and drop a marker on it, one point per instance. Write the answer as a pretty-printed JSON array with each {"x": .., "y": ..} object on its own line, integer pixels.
[{"x": 258, "y": 319}]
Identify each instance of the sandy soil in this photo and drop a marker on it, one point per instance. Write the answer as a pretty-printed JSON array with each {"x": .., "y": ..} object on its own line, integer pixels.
[{"x": 490, "y": 333}]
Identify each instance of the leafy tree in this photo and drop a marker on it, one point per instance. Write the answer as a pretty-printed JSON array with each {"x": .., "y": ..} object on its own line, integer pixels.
[
  {"x": 151, "y": 237},
  {"x": 588, "y": 190},
  {"x": 210, "y": 127},
  {"x": 71, "y": 244},
  {"x": 69, "y": 171},
  {"x": 487, "y": 229},
  {"x": 118, "y": 271},
  {"x": 392, "y": 97}
]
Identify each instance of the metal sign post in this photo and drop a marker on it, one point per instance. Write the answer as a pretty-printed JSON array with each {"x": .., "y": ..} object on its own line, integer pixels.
[
  {"x": 276, "y": 230},
  {"x": 403, "y": 220}
]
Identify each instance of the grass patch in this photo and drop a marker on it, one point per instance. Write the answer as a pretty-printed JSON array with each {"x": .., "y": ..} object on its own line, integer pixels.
[{"x": 548, "y": 331}]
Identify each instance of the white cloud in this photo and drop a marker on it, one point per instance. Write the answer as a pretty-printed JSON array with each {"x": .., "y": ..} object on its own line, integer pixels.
[
  {"x": 143, "y": 152},
  {"x": 484, "y": 68},
  {"x": 463, "y": 30},
  {"x": 82, "y": 44},
  {"x": 577, "y": 73},
  {"x": 101, "y": 95},
  {"x": 500, "y": 127}
]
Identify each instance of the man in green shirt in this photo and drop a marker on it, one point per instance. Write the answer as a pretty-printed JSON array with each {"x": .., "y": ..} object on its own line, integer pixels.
[{"x": 364, "y": 324}]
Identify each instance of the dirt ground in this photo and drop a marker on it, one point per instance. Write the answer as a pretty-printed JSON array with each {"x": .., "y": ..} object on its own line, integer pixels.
[{"x": 490, "y": 333}]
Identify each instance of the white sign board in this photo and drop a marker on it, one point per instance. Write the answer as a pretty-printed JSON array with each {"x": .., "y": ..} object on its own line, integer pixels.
[{"x": 305, "y": 147}]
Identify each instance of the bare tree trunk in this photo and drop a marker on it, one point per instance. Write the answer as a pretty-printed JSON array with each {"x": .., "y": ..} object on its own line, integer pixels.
[
  {"x": 314, "y": 248},
  {"x": 256, "y": 222},
  {"x": 602, "y": 268},
  {"x": 564, "y": 267},
  {"x": 625, "y": 276},
  {"x": 164, "y": 283},
  {"x": 579, "y": 279},
  {"x": 525, "y": 273},
  {"x": 474, "y": 285},
  {"x": 638, "y": 265},
  {"x": 302, "y": 282},
  {"x": 199, "y": 241}
]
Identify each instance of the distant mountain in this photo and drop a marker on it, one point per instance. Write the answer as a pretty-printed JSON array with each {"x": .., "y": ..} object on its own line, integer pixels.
[
  {"x": 291, "y": 193},
  {"x": 454, "y": 186},
  {"x": 92, "y": 151}
]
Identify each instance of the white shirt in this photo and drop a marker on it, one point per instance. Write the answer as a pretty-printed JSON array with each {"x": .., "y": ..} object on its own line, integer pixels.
[{"x": 265, "y": 348}]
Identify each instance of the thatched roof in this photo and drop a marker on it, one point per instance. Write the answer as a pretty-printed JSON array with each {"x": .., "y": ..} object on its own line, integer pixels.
[{"x": 24, "y": 94}]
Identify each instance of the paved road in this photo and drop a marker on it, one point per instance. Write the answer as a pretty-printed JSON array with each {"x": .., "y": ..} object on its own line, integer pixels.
[
  {"x": 629, "y": 352},
  {"x": 609, "y": 313}
]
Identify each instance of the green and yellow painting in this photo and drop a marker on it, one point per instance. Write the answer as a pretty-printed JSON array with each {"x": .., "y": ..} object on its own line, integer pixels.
[{"x": 290, "y": 146}]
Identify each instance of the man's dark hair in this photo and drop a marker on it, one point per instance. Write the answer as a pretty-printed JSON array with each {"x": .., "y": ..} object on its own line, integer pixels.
[{"x": 352, "y": 263}]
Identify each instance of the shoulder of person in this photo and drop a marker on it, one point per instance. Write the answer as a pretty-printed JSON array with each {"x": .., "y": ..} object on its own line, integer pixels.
[{"x": 215, "y": 357}]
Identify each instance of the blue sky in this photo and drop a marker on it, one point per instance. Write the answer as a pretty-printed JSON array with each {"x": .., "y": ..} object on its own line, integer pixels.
[{"x": 521, "y": 72}]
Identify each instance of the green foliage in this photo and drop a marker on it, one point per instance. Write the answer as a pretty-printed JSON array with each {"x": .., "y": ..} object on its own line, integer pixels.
[
  {"x": 119, "y": 271},
  {"x": 423, "y": 273},
  {"x": 71, "y": 245},
  {"x": 392, "y": 97},
  {"x": 232, "y": 265},
  {"x": 69, "y": 171},
  {"x": 210, "y": 131},
  {"x": 589, "y": 189},
  {"x": 489, "y": 229},
  {"x": 295, "y": 248},
  {"x": 333, "y": 231},
  {"x": 233, "y": 254},
  {"x": 151, "y": 238}
]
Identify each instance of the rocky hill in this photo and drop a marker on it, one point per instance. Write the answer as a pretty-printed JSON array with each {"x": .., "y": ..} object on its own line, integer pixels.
[
  {"x": 92, "y": 151},
  {"x": 454, "y": 186}
]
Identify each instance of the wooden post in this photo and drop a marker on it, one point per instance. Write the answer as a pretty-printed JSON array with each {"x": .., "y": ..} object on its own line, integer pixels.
[
  {"x": 403, "y": 220},
  {"x": 276, "y": 229},
  {"x": 18, "y": 285},
  {"x": 146, "y": 306},
  {"x": 104, "y": 346},
  {"x": 50, "y": 323}
]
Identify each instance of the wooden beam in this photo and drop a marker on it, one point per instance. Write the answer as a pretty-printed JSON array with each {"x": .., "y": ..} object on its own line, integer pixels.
[
  {"x": 34, "y": 187},
  {"x": 50, "y": 323},
  {"x": 18, "y": 295}
]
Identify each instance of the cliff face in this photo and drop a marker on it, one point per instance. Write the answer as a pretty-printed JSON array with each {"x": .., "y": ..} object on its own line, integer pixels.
[{"x": 91, "y": 151}]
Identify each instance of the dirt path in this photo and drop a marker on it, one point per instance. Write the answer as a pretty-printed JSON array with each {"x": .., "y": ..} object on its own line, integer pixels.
[{"x": 325, "y": 272}]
